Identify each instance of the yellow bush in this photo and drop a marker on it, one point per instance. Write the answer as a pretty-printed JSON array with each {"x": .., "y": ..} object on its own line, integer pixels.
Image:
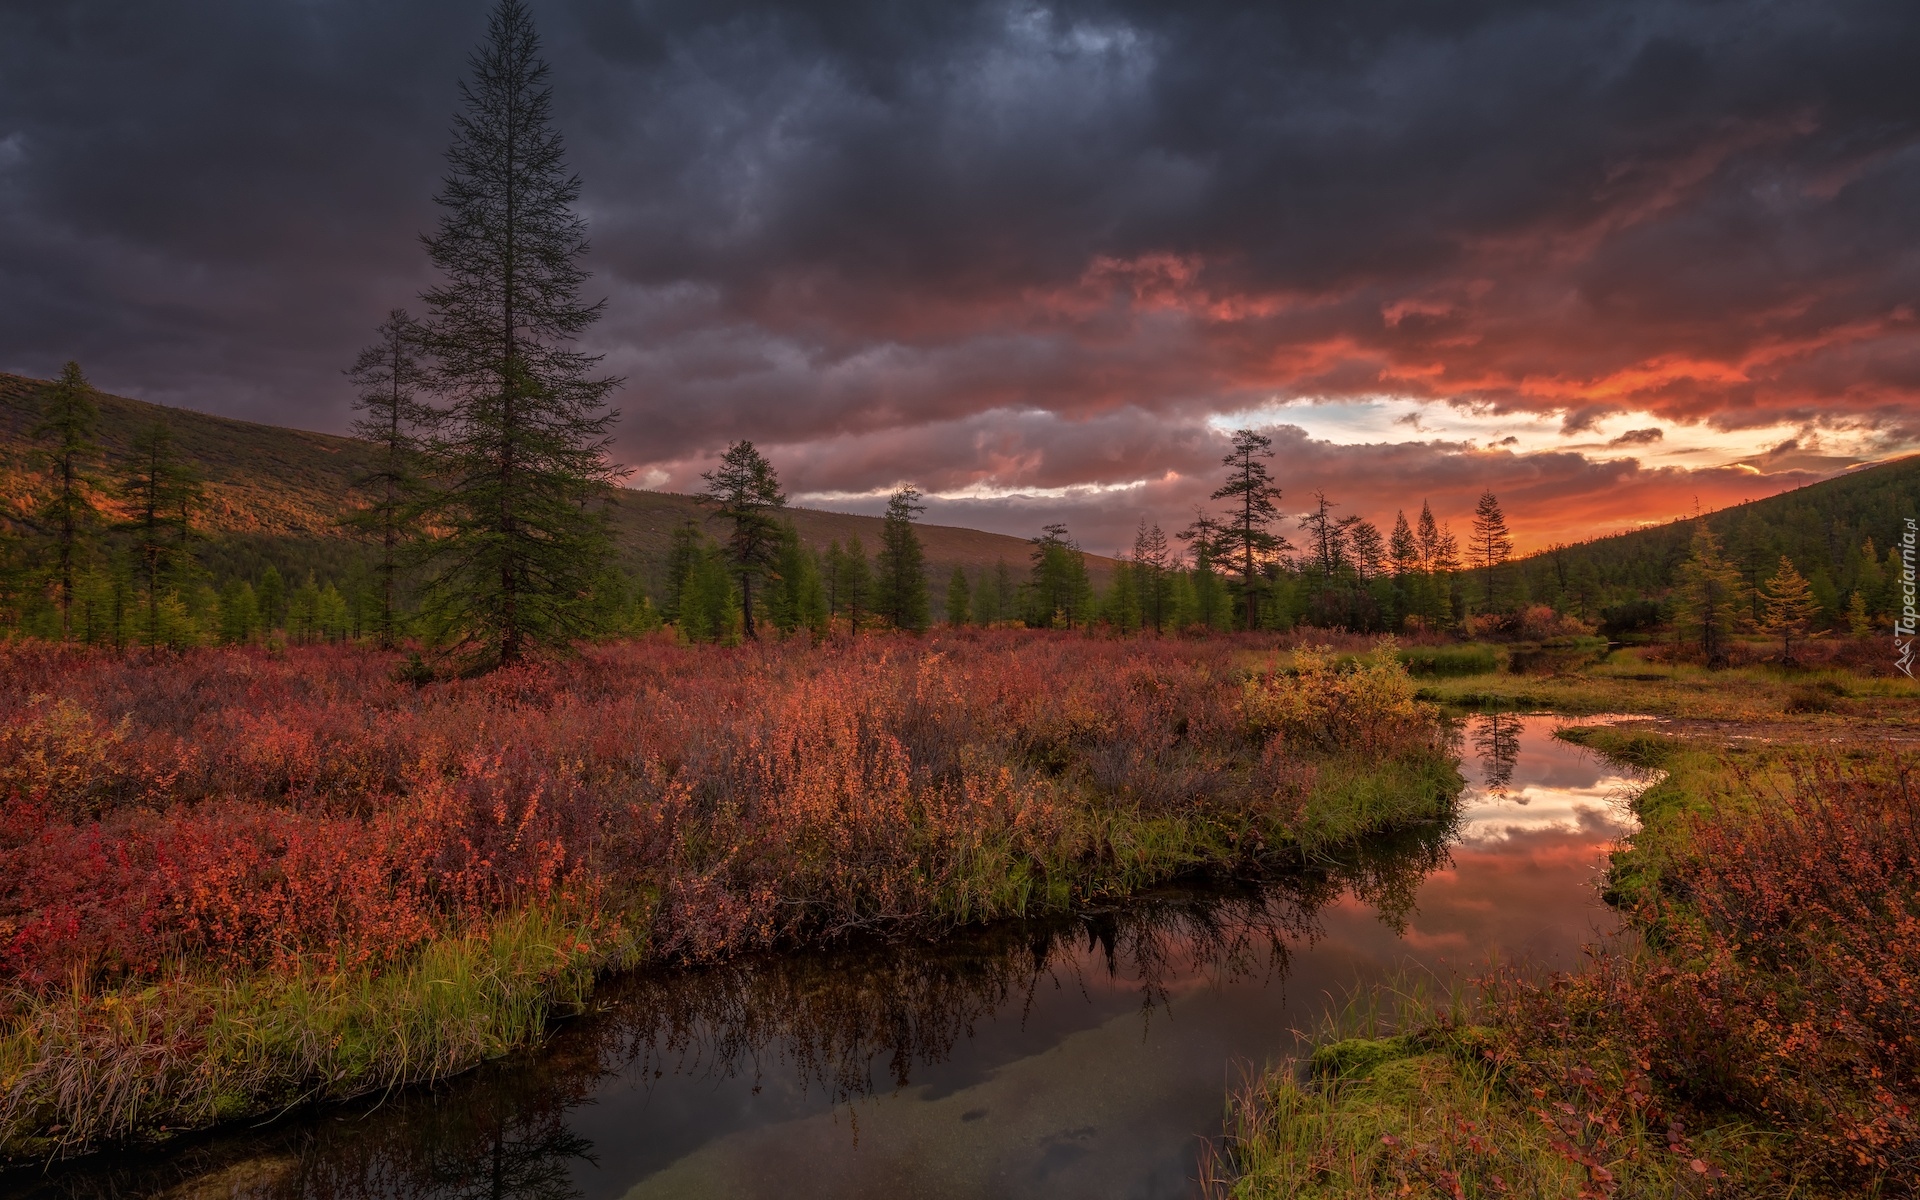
[{"x": 1366, "y": 704}]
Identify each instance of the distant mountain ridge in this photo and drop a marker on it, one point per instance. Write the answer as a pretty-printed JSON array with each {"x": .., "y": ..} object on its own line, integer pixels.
[{"x": 271, "y": 488}]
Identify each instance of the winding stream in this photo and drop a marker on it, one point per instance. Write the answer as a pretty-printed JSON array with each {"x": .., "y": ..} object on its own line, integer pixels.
[{"x": 1079, "y": 1058}]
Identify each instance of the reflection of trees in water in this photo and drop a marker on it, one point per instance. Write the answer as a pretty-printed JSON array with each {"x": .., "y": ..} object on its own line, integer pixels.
[
  {"x": 1496, "y": 739},
  {"x": 856, "y": 1022},
  {"x": 848, "y": 1022}
]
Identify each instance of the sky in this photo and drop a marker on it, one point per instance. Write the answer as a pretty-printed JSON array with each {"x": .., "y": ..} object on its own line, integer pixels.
[{"x": 1613, "y": 260}]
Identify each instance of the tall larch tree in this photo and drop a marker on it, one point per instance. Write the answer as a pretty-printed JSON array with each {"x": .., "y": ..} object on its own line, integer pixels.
[
  {"x": 900, "y": 567},
  {"x": 388, "y": 378},
  {"x": 68, "y": 422},
  {"x": 1490, "y": 543},
  {"x": 1709, "y": 595},
  {"x": 522, "y": 454},
  {"x": 745, "y": 492},
  {"x": 1245, "y": 538},
  {"x": 1153, "y": 562},
  {"x": 1790, "y": 607},
  {"x": 1403, "y": 551},
  {"x": 853, "y": 586},
  {"x": 1326, "y": 539},
  {"x": 959, "y": 598},
  {"x": 1057, "y": 586},
  {"x": 1203, "y": 539},
  {"x": 159, "y": 492}
]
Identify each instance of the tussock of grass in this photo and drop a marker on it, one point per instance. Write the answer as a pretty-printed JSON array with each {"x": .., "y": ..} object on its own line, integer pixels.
[
  {"x": 80, "y": 1067},
  {"x": 1352, "y": 799}
]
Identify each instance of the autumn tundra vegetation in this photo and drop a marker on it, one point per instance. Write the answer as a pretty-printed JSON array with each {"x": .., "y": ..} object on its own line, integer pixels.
[
  {"x": 236, "y": 880},
  {"x": 274, "y": 836}
]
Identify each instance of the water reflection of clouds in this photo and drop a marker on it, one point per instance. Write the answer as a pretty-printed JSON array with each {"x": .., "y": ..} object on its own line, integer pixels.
[
  {"x": 1537, "y": 809},
  {"x": 1522, "y": 779}
]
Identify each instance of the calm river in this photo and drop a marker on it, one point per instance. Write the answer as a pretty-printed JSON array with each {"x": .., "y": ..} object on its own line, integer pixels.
[{"x": 1083, "y": 1058}]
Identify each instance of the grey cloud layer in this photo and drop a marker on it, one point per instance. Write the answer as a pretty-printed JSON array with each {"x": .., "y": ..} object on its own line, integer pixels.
[{"x": 900, "y": 224}]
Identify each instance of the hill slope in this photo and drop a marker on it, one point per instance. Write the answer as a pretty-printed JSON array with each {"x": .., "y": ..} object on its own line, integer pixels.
[
  {"x": 273, "y": 494},
  {"x": 1824, "y": 528}
]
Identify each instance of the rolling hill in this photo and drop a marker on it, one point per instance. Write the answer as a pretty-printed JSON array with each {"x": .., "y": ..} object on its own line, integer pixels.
[
  {"x": 274, "y": 493},
  {"x": 1824, "y": 528}
]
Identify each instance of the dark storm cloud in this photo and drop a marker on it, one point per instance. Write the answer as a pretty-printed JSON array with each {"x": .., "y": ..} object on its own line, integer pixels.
[{"x": 995, "y": 246}]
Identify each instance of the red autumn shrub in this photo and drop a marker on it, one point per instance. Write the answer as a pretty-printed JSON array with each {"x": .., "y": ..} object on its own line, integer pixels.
[
  {"x": 1787, "y": 983},
  {"x": 253, "y": 809}
]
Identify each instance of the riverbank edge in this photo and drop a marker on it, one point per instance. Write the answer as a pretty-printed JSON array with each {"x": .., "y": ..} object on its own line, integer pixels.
[
  {"x": 1442, "y": 1100},
  {"x": 135, "y": 1068}
]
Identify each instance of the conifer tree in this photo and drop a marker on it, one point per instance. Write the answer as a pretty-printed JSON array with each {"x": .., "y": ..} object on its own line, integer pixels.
[
  {"x": 1403, "y": 560},
  {"x": 522, "y": 451},
  {"x": 1868, "y": 579},
  {"x": 1004, "y": 590},
  {"x": 1445, "y": 565},
  {"x": 160, "y": 492},
  {"x": 959, "y": 598},
  {"x": 69, "y": 421},
  {"x": 1403, "y": 551},
  {"x": 271, "y": 598},
  {"x": 1709, "y": 595},
  {"x": 1327, "y": 558},
  {"x": 1491, "y": 544},
  {"x": 900, "y": 574},
  {"x": 1202, "y": 535},
  {"x": 1153, "y": 566},
  {"x": 992, "y": 597},
  {"x": 388, "y": 376},
  {"x": 709, "y": 604},
  {"x": 1122, "y": 607},
  {"x": 831, "y": 569},
  {"x": 1859, "y": 624},
  {"x": 1326, "y": 540},
  {"x": 1210, "y": 607},
  {"x": 1790, "y": 607},
  {"x": 981, "y": 612},
  {"x": 1428, "y": 538},
  {"x": 239, "y": 612},
  {"x": 1366, "y": 549},
  {"x": 745, "y": 492},
  {"x": 855, "y": 586},
  {"x": 1057, "y": 588},
  {"x": 684, "y": 548},
  {"x": 796, "y": 596},
  {"x": 1244, "y": 538}
]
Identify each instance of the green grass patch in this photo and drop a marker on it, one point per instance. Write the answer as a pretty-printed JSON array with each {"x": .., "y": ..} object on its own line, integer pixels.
[
  {"x": 1473, "y": 658},
  {"x": 1426, "y": 1102},
  {"x": 189, "y": 1052}
]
